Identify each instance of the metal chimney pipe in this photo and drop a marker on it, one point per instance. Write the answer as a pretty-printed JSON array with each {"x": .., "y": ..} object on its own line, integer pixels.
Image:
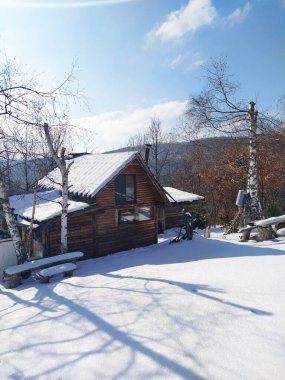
[{"x": 146, "y": 155}]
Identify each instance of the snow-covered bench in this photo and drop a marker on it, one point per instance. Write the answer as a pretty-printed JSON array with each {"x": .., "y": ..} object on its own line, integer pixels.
[
  {"x": 45, "y": 274},
  {"x": 13, "y": 273},
  {"x": 264, "y": 228}
]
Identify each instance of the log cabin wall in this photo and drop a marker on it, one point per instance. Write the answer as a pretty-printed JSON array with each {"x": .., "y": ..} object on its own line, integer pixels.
[
  {"x": 173, "y": 216},
  {"x": 114, "y": 237},
  {"x": 80, "y": 235}
]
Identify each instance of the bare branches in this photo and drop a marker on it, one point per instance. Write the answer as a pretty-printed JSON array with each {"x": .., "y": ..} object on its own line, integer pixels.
[
  {"x": 217, "y": 110},
  {"x": 25, "y": 101},
  {"x": 161, "y": 147},
  {"x": 24, "y": 108},
  {"x": 25, "y": 105}
]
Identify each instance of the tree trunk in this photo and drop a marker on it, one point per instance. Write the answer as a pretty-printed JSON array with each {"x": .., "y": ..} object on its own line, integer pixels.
[
  {"x": 12, "y": 226},
  {"x": 252, "y": 184},
  {"x": 30, "y": 236},
  {"x": 64, "y": 169},
  {"x": 64, "y": 207}
]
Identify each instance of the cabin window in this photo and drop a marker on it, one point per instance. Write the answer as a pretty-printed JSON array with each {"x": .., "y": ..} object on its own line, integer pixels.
[
  {"x": 137, "y": 214},
  {"x": 125, "y": 189}
]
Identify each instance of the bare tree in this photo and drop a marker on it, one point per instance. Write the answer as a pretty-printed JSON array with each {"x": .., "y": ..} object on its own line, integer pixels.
[
  {"x": 137, "y": 142},
  {"x": 161, "y": 147},
  {"x": 216, "y": 111},
  {"x": 23, "y": 103}
]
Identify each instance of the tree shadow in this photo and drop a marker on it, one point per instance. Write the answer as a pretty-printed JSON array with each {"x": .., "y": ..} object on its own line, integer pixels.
[
  {"x": 47, "y": 301},
  {"x": 196, "y": 289},
  {"x": 114, "y": 334}
]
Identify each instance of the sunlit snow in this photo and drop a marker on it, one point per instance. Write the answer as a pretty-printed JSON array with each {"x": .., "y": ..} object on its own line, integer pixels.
[{"x": 201, "y": 309}]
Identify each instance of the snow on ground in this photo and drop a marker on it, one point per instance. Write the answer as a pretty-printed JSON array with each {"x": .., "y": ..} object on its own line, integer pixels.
[{"x": 204, "y": 309}]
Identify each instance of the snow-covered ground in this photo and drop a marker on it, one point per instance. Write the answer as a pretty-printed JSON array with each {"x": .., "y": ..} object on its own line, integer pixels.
[{"x": 205, "y": 309}]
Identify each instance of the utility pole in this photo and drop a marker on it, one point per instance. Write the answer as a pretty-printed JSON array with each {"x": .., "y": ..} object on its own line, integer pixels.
[{"x": 255, "y": 211}]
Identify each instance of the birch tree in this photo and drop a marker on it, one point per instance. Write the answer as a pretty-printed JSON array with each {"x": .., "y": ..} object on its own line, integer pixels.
[
  {"x": 252, "y": 182},
  {"x": 22, "y": 102},
  {"x": 64, "y": 168},
  {"x": 12, "y": 226},
  {"x": 217, "y": 111}
]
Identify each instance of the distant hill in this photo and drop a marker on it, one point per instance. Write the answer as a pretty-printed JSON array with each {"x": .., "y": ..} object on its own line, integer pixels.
[{"x": 177, "y": 151}]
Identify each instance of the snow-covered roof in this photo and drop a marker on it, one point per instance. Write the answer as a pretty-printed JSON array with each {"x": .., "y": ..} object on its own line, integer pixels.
[
  {"x": 47, "y": 206},
  {"x": 175, "y": 195},
  {"x": 89, "y": 173}
]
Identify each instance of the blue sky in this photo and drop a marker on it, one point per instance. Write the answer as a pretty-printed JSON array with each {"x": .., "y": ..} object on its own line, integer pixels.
[{"x": 140, "y": 58}]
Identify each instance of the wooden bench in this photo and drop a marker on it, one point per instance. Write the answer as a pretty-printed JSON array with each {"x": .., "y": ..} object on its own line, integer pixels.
[
  {"x": 13, "y": 273},
  {"x": 266, "y": 228},
  {"x": 45, "y": 274}
]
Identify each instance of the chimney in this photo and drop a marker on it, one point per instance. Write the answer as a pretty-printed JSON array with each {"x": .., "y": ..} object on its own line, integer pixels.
[{"x": 146, "y": 155}]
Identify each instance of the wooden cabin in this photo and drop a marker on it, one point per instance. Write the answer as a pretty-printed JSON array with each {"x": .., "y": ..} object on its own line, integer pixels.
[{"x": 113, "y": 203}]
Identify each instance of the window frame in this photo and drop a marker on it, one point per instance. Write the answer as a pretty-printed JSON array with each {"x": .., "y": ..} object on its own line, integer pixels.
[
  {"x": 134, "y": 211},
  {"x": 121, "y": 196}
]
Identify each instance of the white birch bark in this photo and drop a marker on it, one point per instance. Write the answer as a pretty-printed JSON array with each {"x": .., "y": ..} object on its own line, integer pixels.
[
  {"x": 64, "y": 169},
  {"x": 30, "y": 235},
  {"x": 64, "y": 211},
  {"x": 12, "y": 226},
  {"x": 252, "y": 183}
]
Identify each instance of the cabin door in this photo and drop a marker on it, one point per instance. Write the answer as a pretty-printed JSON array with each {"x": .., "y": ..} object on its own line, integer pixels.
[{"x": 160, "y": 219}]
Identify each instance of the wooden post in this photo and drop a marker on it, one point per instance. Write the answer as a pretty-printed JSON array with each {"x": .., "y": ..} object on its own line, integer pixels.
[{"x": 207, "y": 232}]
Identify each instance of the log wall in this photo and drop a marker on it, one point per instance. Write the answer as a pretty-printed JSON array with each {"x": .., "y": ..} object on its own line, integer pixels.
[
  {"x": 173, "y": 216},
  {"x": 114, "y": 237},
  {"x": 80, "y": 235}
]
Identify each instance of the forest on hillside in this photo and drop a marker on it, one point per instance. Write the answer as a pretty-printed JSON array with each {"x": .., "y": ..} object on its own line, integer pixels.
[{"x": 217, "y": 168}]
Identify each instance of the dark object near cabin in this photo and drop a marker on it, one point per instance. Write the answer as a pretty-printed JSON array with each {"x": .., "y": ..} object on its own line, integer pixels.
[
  {"x": 180, "y": 201},
  {"x": 185, "y": 232}
]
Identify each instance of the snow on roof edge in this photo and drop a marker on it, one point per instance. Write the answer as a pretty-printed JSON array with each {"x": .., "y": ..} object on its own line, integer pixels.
[
  {"x": 178, "y": 196},
  {"x": 46, "y": 208}
]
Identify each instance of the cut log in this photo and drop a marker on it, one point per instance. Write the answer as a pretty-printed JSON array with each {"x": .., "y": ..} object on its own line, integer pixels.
[
  {"x": 245, "y": 234},
  {"x": 265, "y": 233}
]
